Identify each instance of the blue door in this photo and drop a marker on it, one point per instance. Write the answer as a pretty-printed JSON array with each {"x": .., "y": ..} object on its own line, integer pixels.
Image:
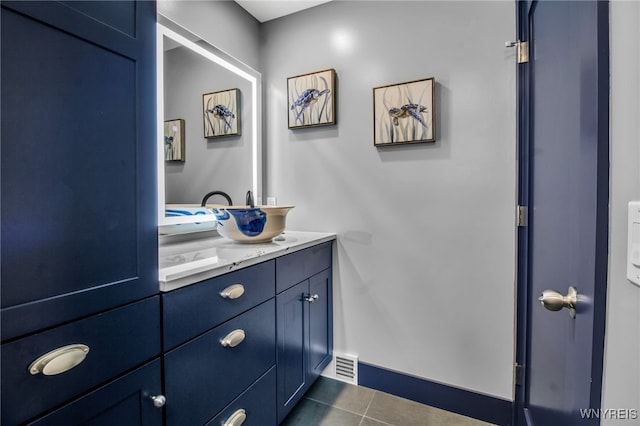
[{"x": 564, "y": 183}]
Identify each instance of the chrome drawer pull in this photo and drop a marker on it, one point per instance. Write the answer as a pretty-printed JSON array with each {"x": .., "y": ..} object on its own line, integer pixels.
[
  {"x": 233, "y": 339},
  {"x": 59, "y": 360},
  {"x": 232, "y": 292},
  {"x": 237, "y": 418}
]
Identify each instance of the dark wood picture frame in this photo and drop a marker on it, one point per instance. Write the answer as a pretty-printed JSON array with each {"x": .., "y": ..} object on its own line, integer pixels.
[
  {"x": 404, "y": 113},
  {"x": 174, "y": 140},
  {"x": 311, "y": 99},
  {"x": 221, "y": 113}
]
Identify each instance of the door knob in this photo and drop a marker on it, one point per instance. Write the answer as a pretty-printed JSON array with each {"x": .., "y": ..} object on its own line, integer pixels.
[{"x": 554, "y": 301}]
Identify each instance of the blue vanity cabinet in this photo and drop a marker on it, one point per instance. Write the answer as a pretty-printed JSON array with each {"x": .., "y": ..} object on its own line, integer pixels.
[
  {"x": 246, "y": 357},
  {"x": 78, "y": 237},
  {"x": 219, "y": 343},
  {"x": 304, "y": 322}
]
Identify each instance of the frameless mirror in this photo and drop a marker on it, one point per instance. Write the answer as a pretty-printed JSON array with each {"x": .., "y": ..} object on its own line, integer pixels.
[{"x": 202, "y": 148}]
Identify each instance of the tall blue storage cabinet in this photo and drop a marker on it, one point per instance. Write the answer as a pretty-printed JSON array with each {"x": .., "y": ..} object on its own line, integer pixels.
[{"x": 78, "y": 213}]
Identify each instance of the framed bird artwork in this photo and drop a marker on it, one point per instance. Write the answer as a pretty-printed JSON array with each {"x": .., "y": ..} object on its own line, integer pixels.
[
  {"x": 404, "y": 113},
  {"x": 311, "y": 99},
  {"x": 221, "y": 113}
]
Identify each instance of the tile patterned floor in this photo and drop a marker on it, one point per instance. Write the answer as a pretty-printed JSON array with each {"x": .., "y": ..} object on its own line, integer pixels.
[{"x": 333, "y": 403}]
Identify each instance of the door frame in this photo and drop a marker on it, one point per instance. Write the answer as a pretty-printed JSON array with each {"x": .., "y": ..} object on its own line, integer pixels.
[{"x": 602, "y": 222}]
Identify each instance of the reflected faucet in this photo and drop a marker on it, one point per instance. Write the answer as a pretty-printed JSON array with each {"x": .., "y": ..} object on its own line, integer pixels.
[
  {"x": 212, "y": 193},
  {"x": 249, "y": 201}
]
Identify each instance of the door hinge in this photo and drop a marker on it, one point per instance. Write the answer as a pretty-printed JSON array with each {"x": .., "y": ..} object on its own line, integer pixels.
[
  {"x": 522, "y": 50},
  {"x": 523, "y": 216},
  {"x": 518, "y": 374}
]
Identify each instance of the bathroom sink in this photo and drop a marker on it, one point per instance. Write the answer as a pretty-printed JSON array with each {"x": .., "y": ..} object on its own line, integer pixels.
[{"x": 245, "y": 224}]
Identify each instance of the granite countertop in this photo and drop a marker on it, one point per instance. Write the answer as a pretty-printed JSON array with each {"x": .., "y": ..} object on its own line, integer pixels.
[{"x": 184, "y": 262}]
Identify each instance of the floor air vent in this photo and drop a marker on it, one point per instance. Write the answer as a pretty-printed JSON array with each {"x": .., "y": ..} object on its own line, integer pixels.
[{"x": 346, "y": 368}]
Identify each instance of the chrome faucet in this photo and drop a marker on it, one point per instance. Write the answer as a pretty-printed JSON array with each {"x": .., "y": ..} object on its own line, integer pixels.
[
  {"x": 249, "y": 201},
  {"x": 212, "y": 193}
]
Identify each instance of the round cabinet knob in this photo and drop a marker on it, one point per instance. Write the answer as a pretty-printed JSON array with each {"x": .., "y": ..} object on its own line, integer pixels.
[
  {"x": 158, "y": 400},
  {"x": 237, "y": 418},
  {"x": 59, "y": 360}
]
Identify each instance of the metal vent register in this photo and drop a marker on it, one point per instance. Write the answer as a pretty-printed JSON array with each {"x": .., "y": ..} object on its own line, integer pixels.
[{"x": 346, "y": 368}]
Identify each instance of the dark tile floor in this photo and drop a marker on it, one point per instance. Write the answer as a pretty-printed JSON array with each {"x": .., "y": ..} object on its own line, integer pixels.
[{"x": 333, "y": 403}]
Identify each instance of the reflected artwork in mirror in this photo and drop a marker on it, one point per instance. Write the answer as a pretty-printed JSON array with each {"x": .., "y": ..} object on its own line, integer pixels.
[
  {"x": 222, "y": 113},
  {"x": 187, "y": 69},
  {"x": 174, "y": 140}
]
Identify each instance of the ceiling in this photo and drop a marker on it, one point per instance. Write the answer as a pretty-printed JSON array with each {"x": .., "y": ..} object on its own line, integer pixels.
[{"x": 266, "y": 10}]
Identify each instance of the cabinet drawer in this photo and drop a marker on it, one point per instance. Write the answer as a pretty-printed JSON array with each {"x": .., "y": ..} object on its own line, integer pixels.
[
  {"x": 300, "y": 265},
  {"x": 192, "y": 310},
  {"x": 117, "y": 340},
  {"x": 203, "y": 376},
  {"x": 258, "y": 404}
]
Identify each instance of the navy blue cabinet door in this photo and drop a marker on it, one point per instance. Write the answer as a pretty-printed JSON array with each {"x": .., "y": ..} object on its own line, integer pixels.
[
  {"x": 127, "y": 401},
  {"x": 305, "y": 337},
  {"x": 320, "y": 323},
  {"x": 292, "y": 347},
  {"x": 78, "y": 153}
]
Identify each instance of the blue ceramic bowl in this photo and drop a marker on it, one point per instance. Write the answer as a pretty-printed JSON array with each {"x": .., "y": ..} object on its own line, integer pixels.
[{"x": 258, "y": 224}]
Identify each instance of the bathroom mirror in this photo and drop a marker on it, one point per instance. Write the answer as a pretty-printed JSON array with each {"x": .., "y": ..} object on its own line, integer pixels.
[{"x": 188, "y": 71}]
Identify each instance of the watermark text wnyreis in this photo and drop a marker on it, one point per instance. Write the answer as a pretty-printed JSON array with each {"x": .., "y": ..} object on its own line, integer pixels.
[{"x": 610, "y": 413}]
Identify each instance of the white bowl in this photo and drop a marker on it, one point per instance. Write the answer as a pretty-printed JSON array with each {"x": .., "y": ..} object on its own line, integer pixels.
[{"x": 244, "y": 224}]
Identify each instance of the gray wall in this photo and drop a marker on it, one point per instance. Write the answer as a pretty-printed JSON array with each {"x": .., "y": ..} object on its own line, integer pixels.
[
  {"x": 421, "y": 228},
  {"x": 622, "y": 357},
  {"x": 210, "y": 164},
  {"x": 424, "y": 279}
]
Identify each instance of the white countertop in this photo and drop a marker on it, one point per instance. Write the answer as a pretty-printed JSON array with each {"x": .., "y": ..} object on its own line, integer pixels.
[{"x": 184, "y": 262}]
